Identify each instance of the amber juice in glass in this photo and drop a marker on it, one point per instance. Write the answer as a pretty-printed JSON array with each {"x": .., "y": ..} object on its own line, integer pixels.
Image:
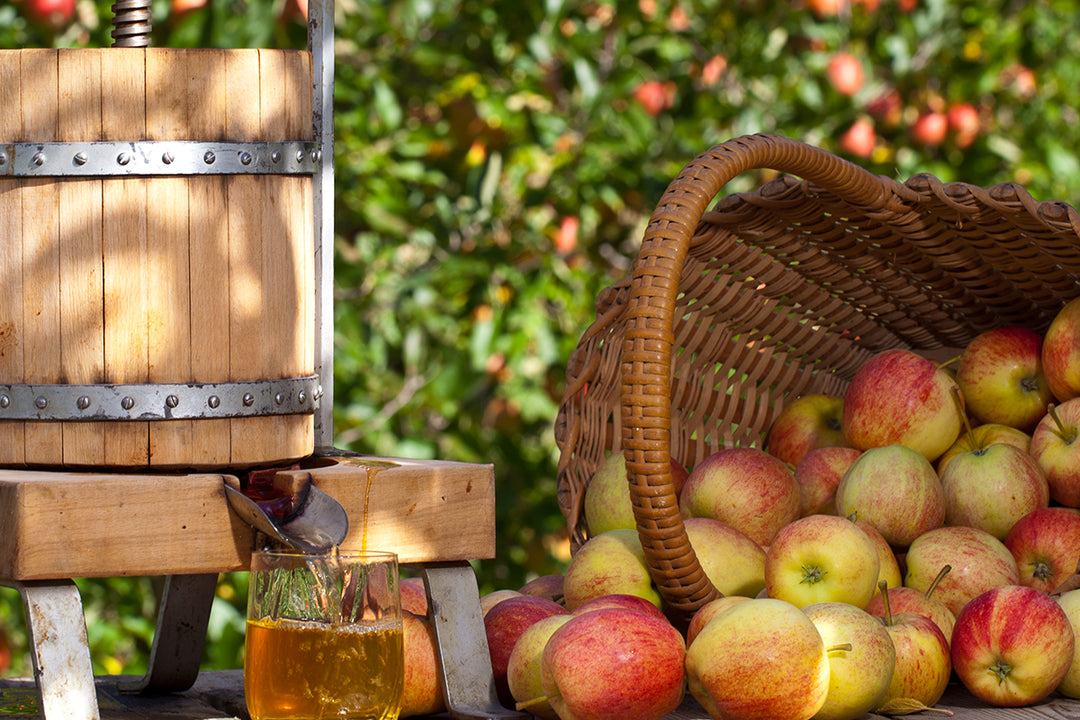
[{"x": 323, "y": 637}]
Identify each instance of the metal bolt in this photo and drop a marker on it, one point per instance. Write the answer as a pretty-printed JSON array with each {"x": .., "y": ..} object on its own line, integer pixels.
[
  {"x": 81, "y": 158},
  {"x": 167, "y": 158},
  {"x": 41, "y": 402},
  {"x": 275, "y": 157},
  {"x": 123, "y": 158},
  {"x": 299, "y": 156},
  {"x": 209, "y": 157},
  {"x": 4, "y": 401},
  {"x": 83, "y": 402},
  {"x": 213, "y": 402},
  {"x": 3, "y": 158},
  {"x": 302, "y": 397},
  {"x": 279, "y": 398},
  {"x": 172, "y": 401},
  {"x": 249, "y": 399},
  {"x": 314, "y": 156},
  {"x": 317, "y": 395},
  {"x": 39, "y": 159},
  {"x": 245, "y": 158},
  {"x": 127, "y": 402}
]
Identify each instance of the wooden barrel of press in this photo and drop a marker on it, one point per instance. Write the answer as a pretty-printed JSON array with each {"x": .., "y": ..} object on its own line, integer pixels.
[{"x": 167, "y": 279}]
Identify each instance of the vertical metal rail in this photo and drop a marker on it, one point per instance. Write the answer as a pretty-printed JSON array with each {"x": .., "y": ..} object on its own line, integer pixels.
[{"x": 321, "y": 44}]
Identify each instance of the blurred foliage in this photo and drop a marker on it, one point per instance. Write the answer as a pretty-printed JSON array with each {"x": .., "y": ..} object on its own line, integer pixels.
[{"x": 496, "y": 163}]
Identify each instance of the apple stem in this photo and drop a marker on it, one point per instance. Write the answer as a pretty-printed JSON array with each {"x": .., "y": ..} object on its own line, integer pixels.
[
  {"x": 959, "y": 400},
  {"x": 884, "y": 587},
  {"x": 846, "y": 647},
  {"x": 947, "y": 363},
  {"x": 1066, "y": 434},
  {"x": 531, "y": 701},
  {"x": 945, "y": 569}
]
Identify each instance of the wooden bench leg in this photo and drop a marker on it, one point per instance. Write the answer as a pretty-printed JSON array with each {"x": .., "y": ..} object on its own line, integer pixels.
[
  {"x": 461, "y": 643},
  {"x": 59, "y": 649},
  {"x": 180, "y": 635}
]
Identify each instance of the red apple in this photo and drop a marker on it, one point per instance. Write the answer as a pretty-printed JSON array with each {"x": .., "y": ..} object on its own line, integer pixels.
[
  {"x": 887, "y": 107},
  {"x": 730, "y": 559},
  {"x": 614, "y": 664},
  {"x": 818, "y": 474},
  {"x": 889, "y": 570},
  {"x": 1061, "y": 352},
  {"x": 981, "y": 437},
  {"x": 895, "y": 489},
  {"x": 708, "y": 611},
  {"x": 608, "y": 564},
  {"x": 763, "y": 658},
  {"x": 504, "y": 625},
  {"x": 811, "y": 421},
  {"x": 859, "y": 139},
  {"x": 524, "y": 674},
  {"x": 1054, "y": 446},
  {"x": 845, "y": 73},
  {"x": 1046, "y": 546},
  {"x": 930, "y": 128},
  {"x": 54, "y": 14},
  {"x": 620, "y": 600},
  {"x": 964, "y": 121},
  {"x": 414, "y": 596},
  {"x": 655, "y": 96},
  {"x": 1012, "y": 646},
  {"x": 900, "y": 398},
  {"x": 1001, "y": 376},
  {"x": 549, "y": 586},
  {"x": 923, "y": 665},
  {"x": 979, "y": 562},
  {"x": 993, "y": 488},
  {"x": 493, "y": 598},
  {"x": 822, "y": 558},
  {"x": 422, "y": 693},
  {"x": 862, "y": 659},
  {"x": 1070, "y": 603},
  {"x": 827, "y": 8},
  {"x": 747, "y": 488},
  {"x": 903, "y": 599}
]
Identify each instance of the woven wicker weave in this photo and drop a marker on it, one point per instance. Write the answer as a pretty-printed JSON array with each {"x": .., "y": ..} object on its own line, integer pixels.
[{"x": 732, "y": 312}]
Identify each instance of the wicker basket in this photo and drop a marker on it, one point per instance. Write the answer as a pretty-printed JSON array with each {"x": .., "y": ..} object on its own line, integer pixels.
[{"x": 730, "y": 313}]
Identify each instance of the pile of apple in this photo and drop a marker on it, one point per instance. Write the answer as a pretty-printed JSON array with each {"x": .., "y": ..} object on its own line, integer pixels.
[{"x": 921, "y": 528}]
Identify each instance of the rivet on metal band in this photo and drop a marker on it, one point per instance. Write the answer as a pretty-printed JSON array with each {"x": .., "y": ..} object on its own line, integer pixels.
[{"x": 288, "y": 396}]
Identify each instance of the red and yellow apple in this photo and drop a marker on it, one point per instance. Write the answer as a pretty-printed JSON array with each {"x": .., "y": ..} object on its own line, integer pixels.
[
  {"x": 1061, "y": 352},
  {"x": 422, "y": 692},
  {"x": 504, "y": 625},
  {"x": 981, "y": 437},
  {"x": 524, "y": 674},
  {"x": 1001, "y": 376},
  {"x": 1055, "y": 446},
  {"x": 818, "y": 474},
  {"x": 730, "y": 559},
  {"x": 808, "y": 422},
  {"x": 978, "y": 562},
  {"x": 610, "y": 563},
  {"x": 1046, "y": 546}
]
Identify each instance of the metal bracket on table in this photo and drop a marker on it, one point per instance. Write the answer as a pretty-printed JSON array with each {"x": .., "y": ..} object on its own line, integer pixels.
[
  {"x": 179, "y": 637},
  {"x": 461, "y": 643},
  {"x": 59, "y": 649}
]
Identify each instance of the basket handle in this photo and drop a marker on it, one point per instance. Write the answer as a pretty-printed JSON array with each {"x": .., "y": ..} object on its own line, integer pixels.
[{"x": 647, "y": 346}]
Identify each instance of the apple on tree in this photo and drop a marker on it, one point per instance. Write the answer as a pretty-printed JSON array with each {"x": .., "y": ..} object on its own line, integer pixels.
[
  {"x": 745, "y": 487},
  {"x": 614, "y": 664},
  {"x": 822, "y": 558},
  {"x": 809, "y": 422},
  {"x": 862, "y": 659},
  {"x": 1001, "y": 377},
  {"x": 1012, "y": 646},
  {"x": 763, "y": 658},
  {"x": 1046, "y": 546},
  {"x": 900, "y": 398}
]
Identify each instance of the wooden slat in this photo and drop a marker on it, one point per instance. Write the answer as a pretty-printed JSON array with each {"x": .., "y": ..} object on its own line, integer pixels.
[
  {"x": 82, "y": 290},
  {"x": 209, "y": 246},
  {"x": 123, "y": 117},
  {"x": 252, "y": 439},
  {"x": 12, "y": 336},
  {"x": 41, "y": 252},
  {"x": 168, "y": 295},
  {"x": 62, "y": 525}
]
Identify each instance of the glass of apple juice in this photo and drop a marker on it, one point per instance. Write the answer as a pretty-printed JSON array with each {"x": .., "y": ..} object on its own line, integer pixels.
[{"x": 323, "y": 636}]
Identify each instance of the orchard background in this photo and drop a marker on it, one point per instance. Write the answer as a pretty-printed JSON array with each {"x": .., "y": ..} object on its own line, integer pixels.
[{"x": 496, "y": 163}]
